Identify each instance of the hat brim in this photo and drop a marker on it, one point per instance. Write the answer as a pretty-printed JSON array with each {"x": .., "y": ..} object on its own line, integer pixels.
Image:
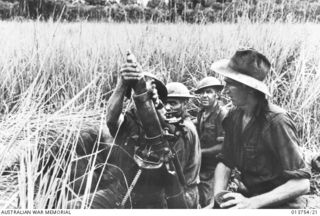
[
  {"x": 160, "y": 86},
  {"x": 218, "y": 87},
  {"x": 222, "y": 67}
]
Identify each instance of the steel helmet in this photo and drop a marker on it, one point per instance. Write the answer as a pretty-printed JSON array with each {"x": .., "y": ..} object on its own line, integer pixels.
[
  {"x": 209, "y": 82},
  {"x": 178, "y": 90},
  {"x": 161, "y": 88}
]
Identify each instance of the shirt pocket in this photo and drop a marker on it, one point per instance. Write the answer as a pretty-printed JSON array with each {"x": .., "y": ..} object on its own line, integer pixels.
[
  {"x": 210, "y": 126},
  {"x": 209, "y": 134}
]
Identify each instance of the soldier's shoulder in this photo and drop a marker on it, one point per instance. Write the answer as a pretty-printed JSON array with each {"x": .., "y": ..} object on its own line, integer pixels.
[
  {"x": 275, "y": 112},
  {"x": 188, "y": 126},
  {"x": 187, "y": 123},
  {"x": 275, "y": 109}
]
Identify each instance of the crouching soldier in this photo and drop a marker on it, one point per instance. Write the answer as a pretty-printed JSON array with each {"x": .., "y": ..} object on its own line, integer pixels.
[
  {"x": 211, "y": 134},
  {"x": 260, "y": 141},
  {"x": 189, "y": 150},
  {"x": 153, "y": 163}
]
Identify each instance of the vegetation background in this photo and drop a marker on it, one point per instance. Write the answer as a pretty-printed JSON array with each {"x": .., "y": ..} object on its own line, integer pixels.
[
  {"x": 57, "y": 76},
  {"x": 193, "y": 11}
]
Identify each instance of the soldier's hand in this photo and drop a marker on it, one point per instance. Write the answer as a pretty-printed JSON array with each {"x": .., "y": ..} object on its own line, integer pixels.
[
  {"x": 238, "y": 201},
  {"x": 131, "y": 73}
]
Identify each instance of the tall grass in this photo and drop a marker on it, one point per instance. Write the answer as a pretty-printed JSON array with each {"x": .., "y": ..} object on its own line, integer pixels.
[{"x": 57, "y": 77}]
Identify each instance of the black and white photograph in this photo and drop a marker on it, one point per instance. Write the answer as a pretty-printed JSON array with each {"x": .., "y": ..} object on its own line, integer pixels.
[{"x": 206, "y": 105}]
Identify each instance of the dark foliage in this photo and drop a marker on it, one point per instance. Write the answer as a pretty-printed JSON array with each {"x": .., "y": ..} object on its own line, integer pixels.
[{"x": 192, "y": 11}]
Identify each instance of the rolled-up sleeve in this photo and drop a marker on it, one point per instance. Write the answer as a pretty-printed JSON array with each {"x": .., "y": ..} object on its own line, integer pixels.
[{"x": 284, "y": 143}]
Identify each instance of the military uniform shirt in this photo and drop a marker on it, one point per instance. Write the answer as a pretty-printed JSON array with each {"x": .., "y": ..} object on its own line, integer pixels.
[
  {"x": 266, "y": 152},
  {"x": 209, "y": 129}
]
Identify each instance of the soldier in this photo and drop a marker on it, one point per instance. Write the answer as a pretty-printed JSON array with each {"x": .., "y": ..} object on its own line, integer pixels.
[
  {"x": 210, "y": 133},
  {"x": 260, "y": 141},
  {"x": 156, "y": 168},
  {"x": 176, "y": 107}
]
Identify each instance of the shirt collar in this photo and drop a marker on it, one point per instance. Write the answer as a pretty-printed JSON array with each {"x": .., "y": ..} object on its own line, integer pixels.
[{"x": 214, "y": 109}]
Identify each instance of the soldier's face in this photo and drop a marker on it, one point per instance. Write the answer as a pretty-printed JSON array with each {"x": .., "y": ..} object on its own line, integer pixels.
[
  {"x": 237, "y": 92},
  {"x": 175, "y": 106},
  {"x": 208, "y": 97}
]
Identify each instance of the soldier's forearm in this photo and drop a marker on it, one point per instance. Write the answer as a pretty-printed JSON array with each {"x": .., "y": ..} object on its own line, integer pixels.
[
  {"x": 147, "y": 114},
  {"x": 214, "y": 150},
  {"x": 280, "y": 195},
  {"x": 115, "y": 103},
  {"x": 221, "y": 177}
]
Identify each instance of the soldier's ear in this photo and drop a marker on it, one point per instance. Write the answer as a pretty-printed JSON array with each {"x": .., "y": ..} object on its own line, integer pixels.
[{"x": 218, "y": 95}]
